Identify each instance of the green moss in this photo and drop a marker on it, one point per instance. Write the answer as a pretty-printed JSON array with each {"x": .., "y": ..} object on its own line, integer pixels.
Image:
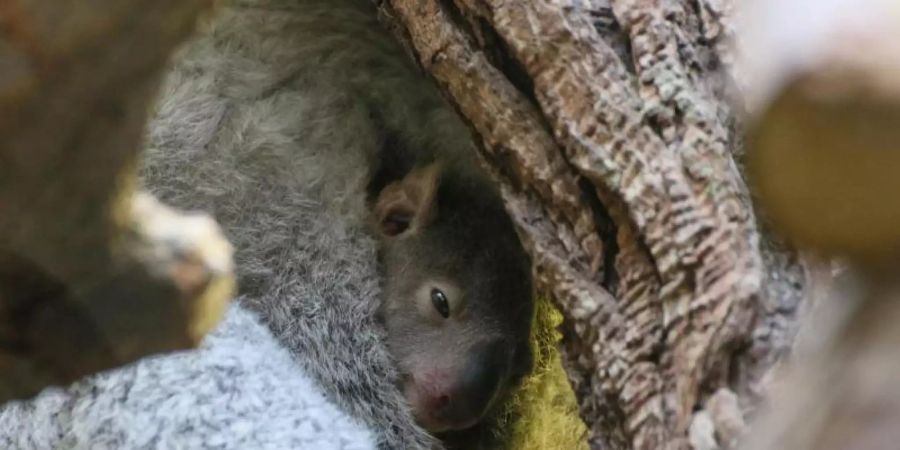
[{"x": 543, "y": 413}]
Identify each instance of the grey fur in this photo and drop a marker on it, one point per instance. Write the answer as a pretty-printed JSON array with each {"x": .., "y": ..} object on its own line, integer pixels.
[
  {"x": 270, "y": 121},
  {"x": 239, "y": 390}
]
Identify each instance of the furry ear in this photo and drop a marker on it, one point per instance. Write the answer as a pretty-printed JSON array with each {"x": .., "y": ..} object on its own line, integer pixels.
[{"x": 408, "y": 204}]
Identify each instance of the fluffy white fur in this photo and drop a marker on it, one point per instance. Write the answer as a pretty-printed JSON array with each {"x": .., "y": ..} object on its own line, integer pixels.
[{"x": 239, "y": 390}]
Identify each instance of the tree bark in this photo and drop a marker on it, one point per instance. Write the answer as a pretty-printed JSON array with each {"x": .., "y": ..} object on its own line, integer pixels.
[{"x": 608, "y": 126}]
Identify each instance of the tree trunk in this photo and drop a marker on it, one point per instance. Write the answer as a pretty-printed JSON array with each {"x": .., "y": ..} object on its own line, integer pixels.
[{"x": 608, "y": 126}]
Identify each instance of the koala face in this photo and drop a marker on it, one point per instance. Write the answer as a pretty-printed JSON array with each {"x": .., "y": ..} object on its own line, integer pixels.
[{"x": 458, "y": 300}]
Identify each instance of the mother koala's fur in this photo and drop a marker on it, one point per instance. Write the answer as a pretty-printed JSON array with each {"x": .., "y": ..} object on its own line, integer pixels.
[{"x": 269, "y": 120}]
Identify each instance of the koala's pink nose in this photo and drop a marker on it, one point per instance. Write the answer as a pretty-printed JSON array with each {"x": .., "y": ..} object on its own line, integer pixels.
[
  {"x": 439, "y": 398},
  {"x": 439, "y": 403},
  {"x": 461, "y": 397}
]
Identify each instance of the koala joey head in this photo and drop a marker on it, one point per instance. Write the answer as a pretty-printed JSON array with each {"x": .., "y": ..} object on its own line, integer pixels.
[{"x": 457, "y": 301}]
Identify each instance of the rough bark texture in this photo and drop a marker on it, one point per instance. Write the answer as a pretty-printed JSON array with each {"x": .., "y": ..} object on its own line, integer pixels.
[
  {"x": 607, "y": 125},
  {"x": 92, "y": 275}
]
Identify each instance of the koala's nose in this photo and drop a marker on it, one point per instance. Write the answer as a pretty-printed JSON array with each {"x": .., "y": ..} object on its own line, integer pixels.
[
  {"x": 476, "y": 386},
  {"x": 482, "y": 375},
  {"x": 459, "y": 400}
]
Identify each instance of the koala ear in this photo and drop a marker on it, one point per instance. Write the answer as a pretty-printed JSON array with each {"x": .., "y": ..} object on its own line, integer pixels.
[{"x": 407, "y": 205}]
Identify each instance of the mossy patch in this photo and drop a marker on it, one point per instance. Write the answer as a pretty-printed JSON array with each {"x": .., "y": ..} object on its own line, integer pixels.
[{"x": 543, "y": 413}]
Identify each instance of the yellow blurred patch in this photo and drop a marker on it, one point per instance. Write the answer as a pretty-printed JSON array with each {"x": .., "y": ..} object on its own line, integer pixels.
[{"x": 543, "y": 413}]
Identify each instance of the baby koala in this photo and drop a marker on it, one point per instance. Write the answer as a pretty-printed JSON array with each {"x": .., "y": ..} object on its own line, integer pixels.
[
  {"x": 308, "y": 133},
  {"x": 457, "y": 293}
]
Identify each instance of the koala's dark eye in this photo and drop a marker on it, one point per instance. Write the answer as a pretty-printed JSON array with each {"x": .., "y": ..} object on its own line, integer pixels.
[{"x": 439, "y": 300}]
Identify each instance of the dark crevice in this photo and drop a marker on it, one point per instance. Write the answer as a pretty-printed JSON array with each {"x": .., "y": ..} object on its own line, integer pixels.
[
  {"x": 741, "y": 350},
  {"x": 656, "y": 353},
  {"x": 485, "y": 38},
  {"x": 614, "y": 35},
  {"x": 607, "y": 230},
  {"x": 456, "y": 16},
  {"x": 724, "y": 373},
  {"x": 501, "y": 57}
]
